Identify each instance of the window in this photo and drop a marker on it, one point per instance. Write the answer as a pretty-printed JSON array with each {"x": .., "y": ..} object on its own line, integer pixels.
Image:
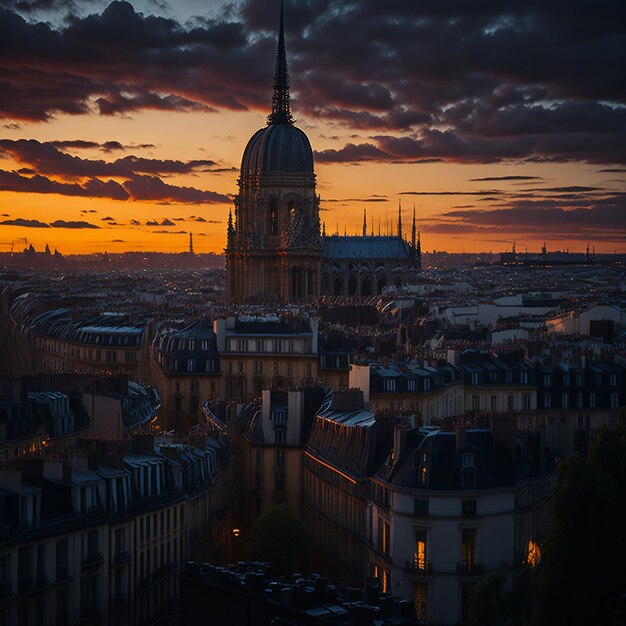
[
  {"x": 277, "y": 345},
  {"x": 209, "y": 365},
  {"x": 526, "y": 401},
  {"x": 565, "y": 380},
  {"x": 280, "y": 458},
  {"x": 474, "y": 378},
  {"x": 191, "y": 365},
  {"x": 242, "y": 345},
  {"x": 565, "y": 400},
  {"x": 389, "y": 384},
  {"x": 547, "y": 400},
  {"x": 580, "y": 379},
  {"x": 613, "y": 379},
  {"x": 592, "y": 400},
  {"x": 259, "y": 345},
  {"x": 475, "y": 403},
  {"x": 420, "y": 507},
  {"x": 423, "y": 476},
  {"x": 523, "y": 377},
  {"x": 280, "y": 482},
  {"x": 468, "y": 549},
  {"x": 289, "y": 369},
  {"x": 419, "y": 556},
  {"x": 493, "y": 403},
  {"x": 62, "y": 560},
  {"x": 467, "y": 459},
  {"x": 614, "y": 400},
  {"x": 547, "y": 380},
  {"x": 510, "y": 402},
  {"x": 421, "y": 595},
  {"x": 411, "y": 384},
  {"x": 468, "y": 507},
  {"x": 383, "y": 536},
  {"x": 279, "y": 436},
  {"x": 509, "y": 377}
]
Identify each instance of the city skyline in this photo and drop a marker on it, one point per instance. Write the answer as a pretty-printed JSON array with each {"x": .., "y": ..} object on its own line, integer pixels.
[{"x": 124, "y": 125}]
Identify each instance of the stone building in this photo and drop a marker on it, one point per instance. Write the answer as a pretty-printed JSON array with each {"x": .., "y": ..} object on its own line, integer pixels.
[{"x": 274, "y": 245}]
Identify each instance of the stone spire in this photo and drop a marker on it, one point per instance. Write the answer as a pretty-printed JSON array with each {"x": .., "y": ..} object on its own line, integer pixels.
[
  {"x": 364, "y": 222},
  {"x": 281, "y": 113},
  {"x": 230, "y": 232},
  {"x": 413, "y": 231},
  {"x": 400, "y": 218}
]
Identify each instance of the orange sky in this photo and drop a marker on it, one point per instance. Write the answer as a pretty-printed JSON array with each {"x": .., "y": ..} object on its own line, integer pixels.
[
  {"x": 222, "y": 137},
  {"x": 370, "y": 121}
]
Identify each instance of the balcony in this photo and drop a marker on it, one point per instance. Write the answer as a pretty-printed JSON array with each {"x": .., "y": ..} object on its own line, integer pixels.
[
  {"x": 470, "y": 568},
  {"x": 91, "y": 560},
  {"x": 419, "y": 566}
]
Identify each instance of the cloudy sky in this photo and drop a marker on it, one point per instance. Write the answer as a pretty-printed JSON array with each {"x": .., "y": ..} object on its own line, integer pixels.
[{"x": 123, "y": 124}]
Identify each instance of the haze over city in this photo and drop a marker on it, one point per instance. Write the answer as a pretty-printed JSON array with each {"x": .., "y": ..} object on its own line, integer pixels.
[{"x": 123, "y": 123}]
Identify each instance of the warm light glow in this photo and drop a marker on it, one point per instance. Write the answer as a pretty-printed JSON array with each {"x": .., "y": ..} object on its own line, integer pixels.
[{"x": 533, "y": 557}]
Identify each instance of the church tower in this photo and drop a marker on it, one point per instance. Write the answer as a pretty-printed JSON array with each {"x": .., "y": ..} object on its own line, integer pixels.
[{"x": 274, "y": 248}]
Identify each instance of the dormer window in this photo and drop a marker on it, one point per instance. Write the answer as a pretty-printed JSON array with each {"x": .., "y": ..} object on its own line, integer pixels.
[
  {"x": 191, "y": 365},
  {"x": 411, "y": 385},
  {"x": 390, "y": 384},
  {"x": 523, "y": 377},
  {"x": 467, "y": 459},
  {"x": 209, "y": 365}
]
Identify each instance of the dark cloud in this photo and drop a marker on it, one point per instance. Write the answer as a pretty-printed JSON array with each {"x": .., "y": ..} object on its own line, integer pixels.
[
  {"x": 19, "y": 221},
  {"x": 71, "y": 224},
  {"x": 12, "y": 126},
  {"x": 153, "y": 188},
  {"x": 108, "y": 218},
  {"x": 135, "y": 222},
  {"x": 48, "y": 159},
  {"x": 587, "y": 217},
  {"x": 478, "y": 82},
  {"x": 167, "y": 222},
  {"x": 170, "y": 232},
  {"x": 93, "y": 188},
  {"x": 495, "y": 178},
  {"x": 107, "y": 146}
]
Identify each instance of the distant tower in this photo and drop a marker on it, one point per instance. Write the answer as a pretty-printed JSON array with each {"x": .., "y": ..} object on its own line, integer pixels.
[
  {"x": 400, "y": 218},
  {"x": 418, "y": 252},
  {"x": 191, "y": 244},
  {"x": 413, "y": 229},
  {"x": 274, "y": 246},
  {"x": 514, "y": 251},
  {"x": 364, "y": 222},
  {"x": 544, "y": 250}
]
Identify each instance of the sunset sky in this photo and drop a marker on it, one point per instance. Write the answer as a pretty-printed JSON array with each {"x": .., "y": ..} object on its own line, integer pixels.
[{"x": 123, "y": 124}]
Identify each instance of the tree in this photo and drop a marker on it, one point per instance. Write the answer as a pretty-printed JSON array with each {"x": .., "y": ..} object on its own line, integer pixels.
[
  {"x": 585, "y": 552},
  {"x": 278, "y": 536}
]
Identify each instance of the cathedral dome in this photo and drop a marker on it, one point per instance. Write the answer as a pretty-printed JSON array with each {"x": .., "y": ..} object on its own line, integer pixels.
[{"x": 277, "y": 148}]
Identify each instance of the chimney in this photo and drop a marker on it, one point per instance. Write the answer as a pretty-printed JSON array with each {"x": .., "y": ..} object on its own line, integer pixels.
[{"x": 460, "y": 438}]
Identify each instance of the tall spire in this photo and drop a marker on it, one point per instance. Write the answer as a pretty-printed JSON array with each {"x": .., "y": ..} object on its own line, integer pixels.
[
  {"x": 413, "y": 230},
  {"x": 364, "y": 222},
  {"x": 281, "y": 113},
  {"x": 400, "y": 218}
]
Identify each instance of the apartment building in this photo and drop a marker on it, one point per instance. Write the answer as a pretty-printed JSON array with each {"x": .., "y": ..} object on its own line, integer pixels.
[
  {"x": 265, "y": 352},
  {"x": 97, "y": 536}
]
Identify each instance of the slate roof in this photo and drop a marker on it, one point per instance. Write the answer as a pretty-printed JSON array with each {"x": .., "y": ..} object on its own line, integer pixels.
[{"x": 362, "y": 248}]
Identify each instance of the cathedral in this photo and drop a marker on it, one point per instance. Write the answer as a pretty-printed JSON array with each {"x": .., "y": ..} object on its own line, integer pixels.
[{"x": 275, "y": 246}]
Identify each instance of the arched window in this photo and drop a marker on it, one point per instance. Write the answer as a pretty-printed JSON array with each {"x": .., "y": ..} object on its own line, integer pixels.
[
  {"x": 191, "y": 365},
  {"x": 272, "y": 227},
  {"x": 209, "y": 365}
]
